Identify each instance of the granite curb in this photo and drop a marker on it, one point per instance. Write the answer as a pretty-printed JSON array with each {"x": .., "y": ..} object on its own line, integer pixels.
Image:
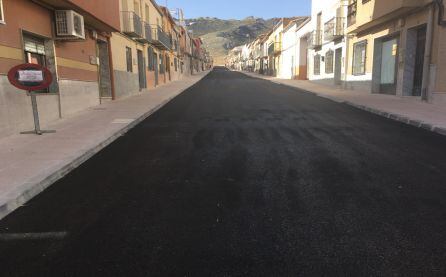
[{"x": 30, "y": 189}]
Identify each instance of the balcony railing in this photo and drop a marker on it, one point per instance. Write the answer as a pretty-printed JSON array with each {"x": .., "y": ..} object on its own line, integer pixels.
[
  {"x": 146, "y": 33},
  {"x": 161, "y": 39},
  {"x": 315, "y": 39},
  {"x": 334, "y": 28},
  {"x": 132, "y": 24}
]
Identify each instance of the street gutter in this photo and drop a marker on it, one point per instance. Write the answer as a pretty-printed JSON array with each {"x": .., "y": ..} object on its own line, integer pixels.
[
  {"x": 396, "y": 117},
  {"x": 29, "y": 190}
]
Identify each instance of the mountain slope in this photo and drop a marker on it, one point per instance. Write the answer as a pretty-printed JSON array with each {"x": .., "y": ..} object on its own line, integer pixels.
[{"x": 220, "y": 35}]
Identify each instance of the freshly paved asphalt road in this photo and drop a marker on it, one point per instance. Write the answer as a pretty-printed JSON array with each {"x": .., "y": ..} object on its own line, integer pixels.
[{"x": 242, "y": 177}]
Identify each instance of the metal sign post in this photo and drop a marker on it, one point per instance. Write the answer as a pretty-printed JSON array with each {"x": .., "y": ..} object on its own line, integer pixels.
[
  {"x": 31, "y": 77},
  {"x": 36, "y": 118}
]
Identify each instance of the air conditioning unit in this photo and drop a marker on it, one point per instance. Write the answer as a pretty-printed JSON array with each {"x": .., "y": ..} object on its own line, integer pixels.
[{"x": 69, "y": 25}]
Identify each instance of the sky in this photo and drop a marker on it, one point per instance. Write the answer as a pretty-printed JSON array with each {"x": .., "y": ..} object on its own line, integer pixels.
[{"x": 239, "y": 9}]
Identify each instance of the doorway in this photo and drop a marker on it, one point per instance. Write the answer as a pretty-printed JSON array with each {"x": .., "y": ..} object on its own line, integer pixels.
[
  {"x": 419, "y": 61},
  {"x": 104, "y": 70},
  {"x": 156, "y": 65},
  {"x": 303, "y": 59},
  {"x": 141, "y": 70},
  {"x": 389, "y": 65},
  {"x": 168, "y": 66},
  {"x": 338, "y": 66}
]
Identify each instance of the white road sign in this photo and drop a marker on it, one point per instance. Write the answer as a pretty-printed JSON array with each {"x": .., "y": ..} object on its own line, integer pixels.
[{"x": 30, "y": 76}]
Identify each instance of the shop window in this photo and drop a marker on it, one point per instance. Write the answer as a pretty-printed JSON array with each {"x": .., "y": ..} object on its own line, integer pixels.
[
  {"x": 129, "y": 59},
  {"x": 2, "y": 14},
  {"x": 329, "y": 62},
  {"x": 359, "y": 58},
  {"x": 317, "y": 64}
]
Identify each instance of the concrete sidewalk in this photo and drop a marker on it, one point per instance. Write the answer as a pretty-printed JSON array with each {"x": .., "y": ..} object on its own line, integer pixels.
[
  {"x": 409, "y": 110},
  {"x": 31, "y": 163}
]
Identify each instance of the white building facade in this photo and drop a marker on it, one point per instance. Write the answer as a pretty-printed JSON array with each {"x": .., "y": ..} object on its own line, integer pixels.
[
  {"x": 291, "y": 57},
  {"x": 327, "y": 42}
]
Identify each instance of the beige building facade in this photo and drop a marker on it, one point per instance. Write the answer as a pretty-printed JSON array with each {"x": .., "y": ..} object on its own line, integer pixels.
[
  {"x": 397, "y": 47},
  {"x": 139, "y": 49}
]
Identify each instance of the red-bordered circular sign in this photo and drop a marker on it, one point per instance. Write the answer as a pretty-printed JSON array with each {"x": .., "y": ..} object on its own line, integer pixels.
[{"x": 30, "y": 77}]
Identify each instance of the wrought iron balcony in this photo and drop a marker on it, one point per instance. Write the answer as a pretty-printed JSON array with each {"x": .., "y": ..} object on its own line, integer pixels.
[
  {"x": 132, "y": 24},
  {"x": 146, "y": 33},
  {"x": 334, "y": 28},
  {"x": 315, "y": 39},
  {"x": 161, "y": 39}
]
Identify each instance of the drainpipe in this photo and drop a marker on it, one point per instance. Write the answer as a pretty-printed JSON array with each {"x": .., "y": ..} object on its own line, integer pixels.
[
  {"x": 427, "y": 57},
  {"x": 346, "y": 60},
  {"x": 344, "y": 6},
  {"x": 441, "y": 20},
  {"x": 112, "y": 75}
]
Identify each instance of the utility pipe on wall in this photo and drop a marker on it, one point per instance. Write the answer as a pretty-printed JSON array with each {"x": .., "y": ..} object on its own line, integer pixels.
[
  {"x": 440, "y": 5},
  {"x": 112, "y": 73}
]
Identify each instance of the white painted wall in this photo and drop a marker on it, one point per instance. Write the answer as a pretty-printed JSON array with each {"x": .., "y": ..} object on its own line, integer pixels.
[
  {"x": 290, "y": 52},
  {"x": 328, "y": 9}
]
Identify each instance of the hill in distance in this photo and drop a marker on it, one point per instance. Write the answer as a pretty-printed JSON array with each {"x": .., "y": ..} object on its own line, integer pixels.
[{"x": 220, "y": 36}]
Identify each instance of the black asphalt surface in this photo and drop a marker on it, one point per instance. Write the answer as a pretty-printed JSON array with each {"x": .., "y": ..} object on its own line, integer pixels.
[{"x": 242, "y": 177}]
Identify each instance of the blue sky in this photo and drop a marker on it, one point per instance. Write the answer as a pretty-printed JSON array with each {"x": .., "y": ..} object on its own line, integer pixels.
[{"x": 238, "y": 9}]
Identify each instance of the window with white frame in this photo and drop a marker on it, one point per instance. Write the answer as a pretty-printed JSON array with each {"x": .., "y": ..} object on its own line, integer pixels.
[{"x": 2, "y": 15}]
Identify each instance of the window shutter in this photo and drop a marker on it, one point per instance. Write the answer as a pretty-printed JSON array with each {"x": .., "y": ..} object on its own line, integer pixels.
[{"x": 34, "y": 46}]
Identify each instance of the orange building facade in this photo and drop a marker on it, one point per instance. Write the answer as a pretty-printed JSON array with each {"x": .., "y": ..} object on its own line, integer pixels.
[
  {"x": 97, "y": 51},
  {"x": 78, "y": 57}
]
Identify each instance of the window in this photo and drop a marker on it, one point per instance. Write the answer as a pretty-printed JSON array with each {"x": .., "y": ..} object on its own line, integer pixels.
[
  {"x": 147, "y": 13},
  {"x": 2, "y": 15},
  {"x": 176, "y": 64},
  {"x": 359, "y": 57},
  {"x": 129, "y": 59},
  {"x": 137, "y": 8},
  {"x": 351, "y": 14},
  {"x": 34, "y": 50},
  {"x": 317, "y": 64},
  {"x": 329, "y": 62}
]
